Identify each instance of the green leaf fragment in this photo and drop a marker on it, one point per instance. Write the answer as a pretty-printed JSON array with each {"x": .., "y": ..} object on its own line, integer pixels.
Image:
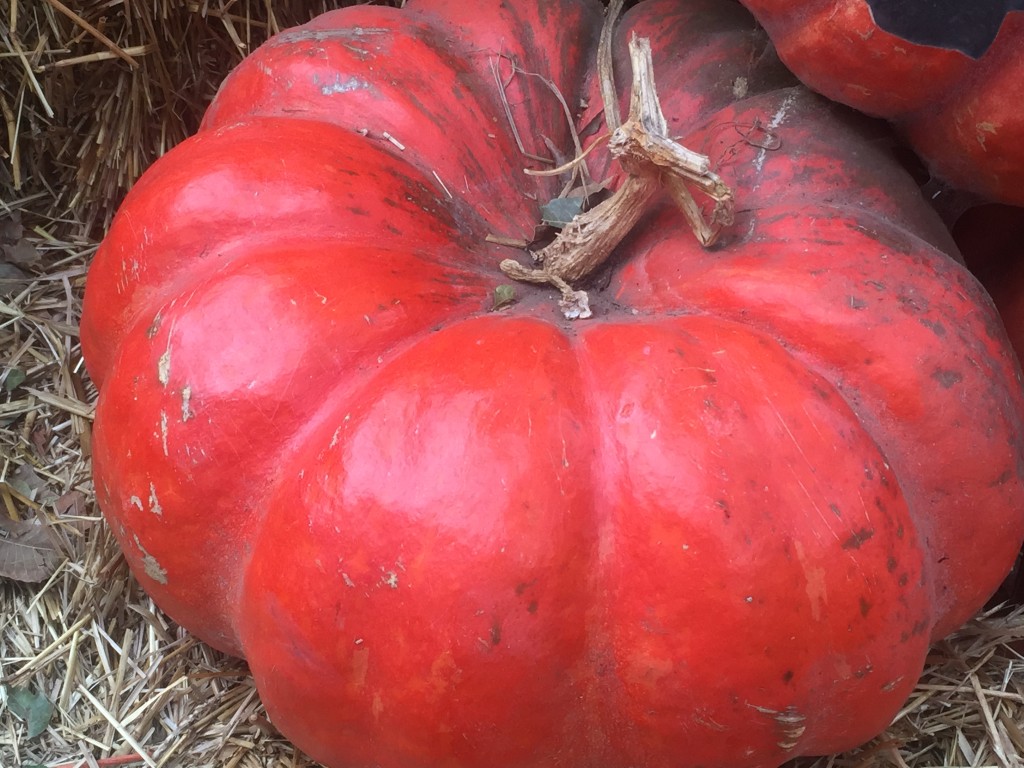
[
  {"x": 504, "y": 295},
  {"x": 561, "y": 210},
  {"x": 14, "y": 379},
  {"x": 33, "y": 708}
]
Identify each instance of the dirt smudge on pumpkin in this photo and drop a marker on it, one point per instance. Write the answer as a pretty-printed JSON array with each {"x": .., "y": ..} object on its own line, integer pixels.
[
  {"x": 947, "y": 378},
  {"x": 857, "y": 538},
  {"x": 865, "y": 606},
  {"x": 445, "y": 674}
]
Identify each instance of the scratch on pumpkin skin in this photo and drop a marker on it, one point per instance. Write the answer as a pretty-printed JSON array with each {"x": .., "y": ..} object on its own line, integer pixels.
[
  {"x": 826, "y": 519},
  {"x": 777, "y": 119},
  {"x": 186, "y": 397},
  {"x": 154, "y": 503},
  {"x": 791, "y": 724},
  {"x": 163, "y": 432},
  {"x": 812, "y": 422},
  {"x": 983, "y": 129},
  {"x": 320, "y": 35},
  {"x": 129, "y": 271},
  {"x": 163, "y": 367},
  {"x": 891, "y": 685},
  {"x": 789, "y": 432},
  {"x": 339, "y": 86}
]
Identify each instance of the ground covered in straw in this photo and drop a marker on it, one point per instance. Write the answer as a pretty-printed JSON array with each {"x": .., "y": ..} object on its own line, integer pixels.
[{"x": 93, "y": 674}]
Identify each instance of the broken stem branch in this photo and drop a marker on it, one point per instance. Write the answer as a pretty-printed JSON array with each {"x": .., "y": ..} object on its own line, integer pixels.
[{"x": 653, "y": 161}]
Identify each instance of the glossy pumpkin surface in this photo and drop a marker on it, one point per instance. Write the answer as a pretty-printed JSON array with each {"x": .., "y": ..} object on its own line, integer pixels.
[
  {"x": 959, "y": 103},
  {"x": 717, "y": 524}
]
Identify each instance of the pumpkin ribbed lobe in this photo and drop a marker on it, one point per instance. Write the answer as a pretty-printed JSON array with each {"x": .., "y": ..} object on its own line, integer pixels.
[
  {"x": 208, "y": 209},
  {"x": 720, "y": 555},
  {"x": 442, "y": 531},
  {"x": 414, "y": 87},
  {"x": 189, "y": 409}
]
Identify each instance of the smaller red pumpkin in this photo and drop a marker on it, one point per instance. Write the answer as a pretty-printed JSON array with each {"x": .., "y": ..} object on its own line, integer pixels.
[
  {"x": 991, "y": 238},
  {"x": 958, "y": 97}
]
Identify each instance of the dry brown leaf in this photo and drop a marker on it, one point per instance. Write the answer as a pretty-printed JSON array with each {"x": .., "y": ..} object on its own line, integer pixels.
[
  {"x": 73, "y": 503},
  {"x": 39, "y": 437},
  {"x": 27, "y": 482},
  {"x": 11, "y": 229},
  {"x": 26, "y": 551},
  {"x": 22, "y": 253},
  {"x": 12, "y": 279}
]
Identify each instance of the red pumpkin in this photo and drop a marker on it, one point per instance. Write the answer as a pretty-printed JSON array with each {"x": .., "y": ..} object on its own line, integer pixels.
[
  {"x": 717, "y": 524},
  {"x": 958, "y": 95},
  {"x": 991, "y": 238}
]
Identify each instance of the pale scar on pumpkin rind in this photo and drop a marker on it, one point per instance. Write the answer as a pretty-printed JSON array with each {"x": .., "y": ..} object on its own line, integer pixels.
[
  {"x": 654, "y": 162},
  {"x": 150, "y": 564}
]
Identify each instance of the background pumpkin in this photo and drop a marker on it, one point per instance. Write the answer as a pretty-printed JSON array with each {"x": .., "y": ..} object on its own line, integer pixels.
[
  {"x": 724, "y": 518},
  {"x": 950, "y": 75}
]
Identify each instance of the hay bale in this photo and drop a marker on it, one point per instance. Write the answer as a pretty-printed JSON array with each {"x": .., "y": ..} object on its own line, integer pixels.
[{"x": 92, "y": 93}]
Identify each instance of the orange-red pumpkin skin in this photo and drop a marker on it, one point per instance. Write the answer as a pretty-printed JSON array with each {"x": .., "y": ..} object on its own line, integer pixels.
[
  {"x": 716, "y": 525},
  {"x": 962, "y": 115}
]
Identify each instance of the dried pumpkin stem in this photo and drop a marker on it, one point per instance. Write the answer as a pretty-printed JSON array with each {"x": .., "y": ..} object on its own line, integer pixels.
[
  {"x": 653, "y": 161},
  {"x": 585, "y": 243}
]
